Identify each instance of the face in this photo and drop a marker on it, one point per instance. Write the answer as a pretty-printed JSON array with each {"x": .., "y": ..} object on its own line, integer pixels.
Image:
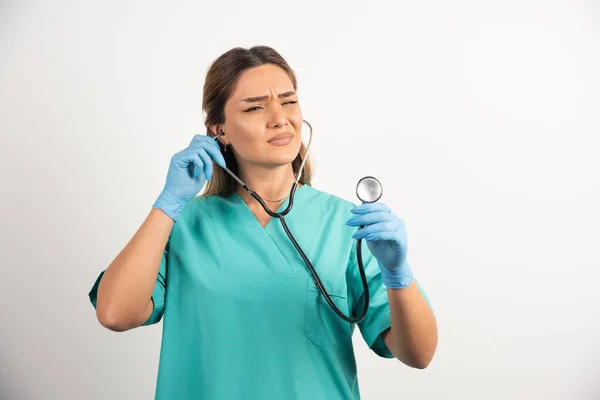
[{"x": 263, "y": 119}]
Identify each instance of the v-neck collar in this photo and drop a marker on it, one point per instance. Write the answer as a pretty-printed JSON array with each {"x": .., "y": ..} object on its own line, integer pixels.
[
  {"x": 298, "y": 195},
  {"x": 272, "y": 241}
]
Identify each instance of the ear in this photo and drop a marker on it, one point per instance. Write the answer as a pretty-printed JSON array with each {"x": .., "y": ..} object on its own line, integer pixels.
[{"x": 214, "y": 129}]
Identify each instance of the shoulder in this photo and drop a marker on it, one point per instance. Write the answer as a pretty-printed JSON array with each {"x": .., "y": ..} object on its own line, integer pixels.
[
  {"x": 197, "y": 209},
  {"x": 194, "y": 207},
  {"x": 331, "y": 201},
  {"x": 198, "y": 216},
  {"x": 331, "y": 210}
]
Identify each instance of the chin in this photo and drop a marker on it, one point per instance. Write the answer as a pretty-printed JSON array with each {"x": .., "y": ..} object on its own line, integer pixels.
[
  {"x": 283, "y": 155},
  {"x": 279, "y": 161}
]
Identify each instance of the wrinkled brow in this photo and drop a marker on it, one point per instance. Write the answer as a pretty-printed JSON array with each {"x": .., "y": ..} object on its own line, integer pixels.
[{"x": 259, "y": 98}]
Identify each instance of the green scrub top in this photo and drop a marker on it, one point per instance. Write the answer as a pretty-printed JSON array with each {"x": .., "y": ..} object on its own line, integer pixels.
[{"x": 242, "y": 316}]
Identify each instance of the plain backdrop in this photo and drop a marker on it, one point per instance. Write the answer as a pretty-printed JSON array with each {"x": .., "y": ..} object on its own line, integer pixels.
[{"x": 480, "y": 118}]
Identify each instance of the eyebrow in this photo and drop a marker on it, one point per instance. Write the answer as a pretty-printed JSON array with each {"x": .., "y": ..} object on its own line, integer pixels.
[{"x": 259, "y": 98}]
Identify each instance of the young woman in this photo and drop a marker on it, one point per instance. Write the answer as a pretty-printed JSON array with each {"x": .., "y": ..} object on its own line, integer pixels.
[{"x": 243, "y": 317}]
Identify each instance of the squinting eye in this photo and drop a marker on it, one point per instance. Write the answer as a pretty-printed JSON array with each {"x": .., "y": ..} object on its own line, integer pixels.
[{"x": 258, "y": 107}]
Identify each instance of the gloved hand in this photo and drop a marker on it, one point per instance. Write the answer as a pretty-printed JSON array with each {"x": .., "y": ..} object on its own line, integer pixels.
[
  {"x": 386, "y": 238},
  {"x": 188, "y": 171}
]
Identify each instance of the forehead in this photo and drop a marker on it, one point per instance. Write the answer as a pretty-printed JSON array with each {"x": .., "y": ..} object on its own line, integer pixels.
[{"x": 261, "y": 80}]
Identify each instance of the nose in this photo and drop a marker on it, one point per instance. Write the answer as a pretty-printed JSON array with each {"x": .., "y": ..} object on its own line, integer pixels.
[{"x": 277, "y": 117}]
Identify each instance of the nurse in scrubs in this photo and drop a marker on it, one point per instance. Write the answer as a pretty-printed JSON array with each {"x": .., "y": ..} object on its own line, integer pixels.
[{"x": 242, "y": 316}]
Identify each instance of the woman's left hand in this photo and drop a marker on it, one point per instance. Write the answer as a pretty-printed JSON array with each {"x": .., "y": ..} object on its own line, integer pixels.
[{"x": 386, "y": 238}]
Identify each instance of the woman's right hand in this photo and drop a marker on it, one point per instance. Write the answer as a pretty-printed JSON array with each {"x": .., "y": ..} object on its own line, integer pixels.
[{"x": 188, "y": 172}]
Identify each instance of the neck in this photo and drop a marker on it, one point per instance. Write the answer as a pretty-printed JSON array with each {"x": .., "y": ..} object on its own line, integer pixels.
[{"x": 270, "y": 183}]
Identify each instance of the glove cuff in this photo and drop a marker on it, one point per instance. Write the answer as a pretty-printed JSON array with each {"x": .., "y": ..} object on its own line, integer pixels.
[
  {"x": 169, "y": 204},
  {"x": 399, "y": 279}
]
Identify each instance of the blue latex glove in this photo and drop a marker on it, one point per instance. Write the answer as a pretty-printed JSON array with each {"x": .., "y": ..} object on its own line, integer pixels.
[
  {"x": 386, "y": 238},
  {"x": 188, "y": 172}
]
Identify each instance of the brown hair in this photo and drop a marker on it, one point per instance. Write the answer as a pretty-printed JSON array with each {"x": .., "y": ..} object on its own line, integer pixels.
[{"x": 221, "y": 78}]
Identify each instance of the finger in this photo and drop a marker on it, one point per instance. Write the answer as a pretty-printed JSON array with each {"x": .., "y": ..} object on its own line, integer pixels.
[
  {"x": 184, "y": 160},
  {"x": 208, "y": 167},
  {"x": 197, "y": 138},
  {"x": 370, "y": 218},
  {"x": 212, "y": 149},
  {"x": 198, "y": 165},
  {"x": 370, "y": 207},
  {"x": 380, "y": 236},
  {"x": 215, "y": 143},
  {"x": 380, "y": 227}
]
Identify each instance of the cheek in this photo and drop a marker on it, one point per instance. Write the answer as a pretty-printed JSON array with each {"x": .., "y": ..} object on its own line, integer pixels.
[
  {"x": 247, "y": 132},
  {"x": 243, "y": 126},
  {"x": 295, "y": 118},
  {"x": 296, "y": 115},
  {"x": 301, "y": 128}
]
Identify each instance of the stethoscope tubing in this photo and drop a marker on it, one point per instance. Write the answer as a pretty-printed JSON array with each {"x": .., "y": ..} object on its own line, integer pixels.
[{"x": 317, "y": 279}]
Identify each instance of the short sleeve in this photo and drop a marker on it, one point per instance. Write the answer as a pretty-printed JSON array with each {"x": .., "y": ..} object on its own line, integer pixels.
[
  {"x": 378, "y": 318},
  {"x": 158, "y": 294}
]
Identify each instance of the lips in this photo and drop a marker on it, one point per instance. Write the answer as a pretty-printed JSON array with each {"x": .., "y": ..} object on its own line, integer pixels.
[{"x": 281, "y": 138}]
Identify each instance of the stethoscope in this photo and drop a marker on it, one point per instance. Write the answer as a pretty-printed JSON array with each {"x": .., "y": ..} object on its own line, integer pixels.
[{"x": 368, "y": 190}]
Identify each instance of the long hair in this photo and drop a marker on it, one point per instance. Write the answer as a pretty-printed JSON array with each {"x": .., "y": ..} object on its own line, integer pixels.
[{"x": 221, "y": 78}]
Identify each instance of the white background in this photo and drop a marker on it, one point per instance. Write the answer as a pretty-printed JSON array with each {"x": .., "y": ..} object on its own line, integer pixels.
[{"x": 481, "y": 119}]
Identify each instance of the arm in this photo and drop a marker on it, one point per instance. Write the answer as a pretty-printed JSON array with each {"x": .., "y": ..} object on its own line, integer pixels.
[
  {"x": 125, "y": 291},
  {"x": 413, "y": 335}
]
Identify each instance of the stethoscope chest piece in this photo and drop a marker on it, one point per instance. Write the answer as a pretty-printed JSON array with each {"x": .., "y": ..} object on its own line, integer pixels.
[{"x": 369, "y": 189}]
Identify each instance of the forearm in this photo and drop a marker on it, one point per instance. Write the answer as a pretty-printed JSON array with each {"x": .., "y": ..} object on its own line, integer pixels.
[
  {"x": 413, "y": 334},
  {"x": 124, "y": 293}
]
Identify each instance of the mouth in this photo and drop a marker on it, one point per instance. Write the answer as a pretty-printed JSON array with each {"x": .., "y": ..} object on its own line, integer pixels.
[{"x": 281, "y": 139}]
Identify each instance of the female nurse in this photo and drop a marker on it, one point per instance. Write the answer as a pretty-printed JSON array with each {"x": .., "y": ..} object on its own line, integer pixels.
[{"x": 242, "y": 316}]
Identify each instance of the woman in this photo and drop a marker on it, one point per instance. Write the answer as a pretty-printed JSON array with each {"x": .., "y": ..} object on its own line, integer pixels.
[{"x": 243, "y": 318}]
